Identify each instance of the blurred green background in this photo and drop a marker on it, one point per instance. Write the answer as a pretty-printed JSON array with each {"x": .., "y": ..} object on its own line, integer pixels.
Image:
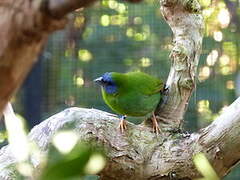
[{"x": 117, "y": 36}]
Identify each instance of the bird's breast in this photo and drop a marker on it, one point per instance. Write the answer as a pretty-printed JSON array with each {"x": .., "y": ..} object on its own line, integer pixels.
[{"x": 132, "y": 104}]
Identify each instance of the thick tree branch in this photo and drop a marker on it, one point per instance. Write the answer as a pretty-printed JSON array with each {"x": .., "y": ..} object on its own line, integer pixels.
[
  {"x": 139, "y": 154},
  {"x": 221, "y": 139},
  {"x": 187, "y": 25}
]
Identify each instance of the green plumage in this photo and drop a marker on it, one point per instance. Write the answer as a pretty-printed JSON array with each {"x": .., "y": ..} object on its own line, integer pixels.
[{"x": 137, "y": 93}]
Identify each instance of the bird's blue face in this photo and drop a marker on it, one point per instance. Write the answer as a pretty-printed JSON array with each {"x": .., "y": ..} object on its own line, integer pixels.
[{"x": 107, "y": 82}]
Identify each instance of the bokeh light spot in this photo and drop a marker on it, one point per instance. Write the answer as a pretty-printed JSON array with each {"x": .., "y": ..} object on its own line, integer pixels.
[{"x": 64, "y": 141}]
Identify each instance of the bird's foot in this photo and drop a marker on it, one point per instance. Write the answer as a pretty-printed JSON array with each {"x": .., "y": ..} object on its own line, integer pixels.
[
  {"x": 123, "y": 124},
  {"x": 156, "y": 128}
]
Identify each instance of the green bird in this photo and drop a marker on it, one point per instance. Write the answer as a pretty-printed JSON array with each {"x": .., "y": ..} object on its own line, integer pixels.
[{"x": 131, "y": 94}]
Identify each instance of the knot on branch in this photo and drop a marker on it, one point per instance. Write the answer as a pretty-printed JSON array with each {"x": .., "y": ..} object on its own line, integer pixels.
[
  {"x": 187, "y": 83},
  {"x": 178, "y": 55},
  {"x": 192, "y": 6},
  {"x": 168, "y": 3}
]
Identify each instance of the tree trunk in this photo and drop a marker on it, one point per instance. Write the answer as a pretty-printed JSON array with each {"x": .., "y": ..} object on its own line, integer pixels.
[
  {"x": 139, "y": 153},
  {"x": 187, "y": 25}
]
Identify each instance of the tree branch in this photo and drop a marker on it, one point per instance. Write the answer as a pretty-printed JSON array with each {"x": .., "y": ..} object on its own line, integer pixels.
[
  {"x": 187, "y": 25},
  {"x": 221, "y": 139},
  {"x": 139, "y": 154}
]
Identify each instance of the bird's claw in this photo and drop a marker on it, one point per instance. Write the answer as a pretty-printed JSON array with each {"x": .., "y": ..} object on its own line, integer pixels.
[
  {"x": 123, "y": 124},
  {"x": 156, "y": 128}
]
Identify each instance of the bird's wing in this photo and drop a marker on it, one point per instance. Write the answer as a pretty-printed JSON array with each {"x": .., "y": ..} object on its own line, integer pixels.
[
  {"x": 146, "y": 84},
  {"x": 151, "y": 87}
]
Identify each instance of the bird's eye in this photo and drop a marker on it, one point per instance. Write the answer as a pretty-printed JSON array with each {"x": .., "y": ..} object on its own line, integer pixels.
[
  {"x": 107, "y": 82},
  {"x": 104, "y": 82}
]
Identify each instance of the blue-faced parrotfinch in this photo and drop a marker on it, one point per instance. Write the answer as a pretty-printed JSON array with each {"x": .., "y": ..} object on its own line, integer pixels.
[{"x": 131, "y": 94}]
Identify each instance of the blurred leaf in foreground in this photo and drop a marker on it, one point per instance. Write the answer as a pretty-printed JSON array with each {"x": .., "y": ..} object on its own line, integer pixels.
[
  {"x": 204, "y": 167},
  {"x": 79, "y": 160}
]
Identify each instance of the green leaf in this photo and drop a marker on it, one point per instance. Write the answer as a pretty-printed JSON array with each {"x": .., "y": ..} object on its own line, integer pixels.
[{"x": 66, "y": 166}]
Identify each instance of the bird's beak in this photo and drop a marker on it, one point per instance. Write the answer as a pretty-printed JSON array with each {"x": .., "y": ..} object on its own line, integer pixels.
[{"x": 98, "y": 80}]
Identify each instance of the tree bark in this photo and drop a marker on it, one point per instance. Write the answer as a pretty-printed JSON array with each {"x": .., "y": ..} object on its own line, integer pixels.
[
  {"x": 139, "y": 153},
  {"x": 23, "y": 33},
  {"x": 187, "y": 25}
]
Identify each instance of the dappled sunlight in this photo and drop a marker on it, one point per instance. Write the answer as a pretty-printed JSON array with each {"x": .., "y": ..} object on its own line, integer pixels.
[
  {"x": 212, "y": 57},
  {"x": 203, "y": 105},
  {"x": 79, "y": 81},
  {"x": 95, "y": 164},
  {"x": 224, "y": 17},
  {"x": 230, "y": 84},
  {"x": 79, "y": 21},
  {"x": 224, "y": 60},
  {"x": 17, "y": 135},
  {"x": 145, "y": 62},
  {"x": 206, "y": 115},
  {"x": 64, "y": 141},
  {"x": 105, "y": 20},
  {"x": 84, "y": 55},
  {"x": 204, "y": 73},
  {"x": 218, "y": 36},
  {"x": 25, "y": 169}
]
